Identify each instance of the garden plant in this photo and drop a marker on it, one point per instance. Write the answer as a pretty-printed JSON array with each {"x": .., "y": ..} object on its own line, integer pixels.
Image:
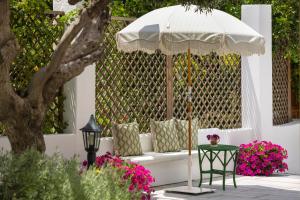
[
  {"x": 132, "y": 177},
  {"x": 261, "y": 158},
  {"x": 33, "y": 175}
]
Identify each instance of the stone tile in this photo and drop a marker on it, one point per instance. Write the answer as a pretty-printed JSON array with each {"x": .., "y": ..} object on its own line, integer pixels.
[{"x": 278, "y": 187}]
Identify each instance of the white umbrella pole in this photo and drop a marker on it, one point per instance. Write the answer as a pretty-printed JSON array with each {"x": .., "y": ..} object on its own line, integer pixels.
[
  {"x": 189, "y": 115},
  {"x": 189, "y": 189}
]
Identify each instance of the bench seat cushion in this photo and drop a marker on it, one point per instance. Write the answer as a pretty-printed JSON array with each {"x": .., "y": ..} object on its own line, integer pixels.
[{"x": 153, "y": 157}]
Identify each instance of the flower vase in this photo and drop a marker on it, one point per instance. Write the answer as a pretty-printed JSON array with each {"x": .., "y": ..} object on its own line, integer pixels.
[{"x": 214, "y": 142}]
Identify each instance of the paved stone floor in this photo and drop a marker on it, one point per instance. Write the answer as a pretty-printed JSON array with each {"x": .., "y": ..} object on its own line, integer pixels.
[{"x": 276, "y": 187}]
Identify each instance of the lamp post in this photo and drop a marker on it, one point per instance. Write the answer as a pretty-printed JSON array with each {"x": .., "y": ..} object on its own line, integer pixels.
[{"x": 91, "y": 133}]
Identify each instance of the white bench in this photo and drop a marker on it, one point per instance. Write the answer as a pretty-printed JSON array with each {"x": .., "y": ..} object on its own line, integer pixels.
[{"x": 168, "y": 167}]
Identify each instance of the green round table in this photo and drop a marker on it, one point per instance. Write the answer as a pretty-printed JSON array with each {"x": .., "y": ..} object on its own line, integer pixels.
[{"x": 211, "y": 152}]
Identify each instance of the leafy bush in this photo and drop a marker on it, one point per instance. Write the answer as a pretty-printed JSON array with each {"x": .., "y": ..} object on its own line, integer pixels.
[
  {"x": 127, "y": 177},
  {"x": 101, "y": 184},
  {"x": 33, "y": 175},
  {"x": 261, "y": 158}
]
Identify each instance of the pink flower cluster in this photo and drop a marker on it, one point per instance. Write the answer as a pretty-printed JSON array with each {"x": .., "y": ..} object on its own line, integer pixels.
[
  {"x": 108, "y": 159},
  {"x": 261, "y": 158},
  {"x": 140, "y": 178}
]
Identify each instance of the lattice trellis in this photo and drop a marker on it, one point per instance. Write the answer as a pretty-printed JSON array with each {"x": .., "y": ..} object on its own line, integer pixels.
[
  {"x": 133, "y": 87},
  {"x": 216, "y": 90},
  {"x": 280, "y": 88},
  {"x": 129, "y": 86},
  {"x": 36, "y": 34}
]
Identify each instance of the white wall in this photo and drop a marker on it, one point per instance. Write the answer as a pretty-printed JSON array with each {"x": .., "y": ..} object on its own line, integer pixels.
[
  {"x": 257, "y": 98},
  {"x": 62, "y": 5},
  {"x": 288, "y": 135},
  {"x": 63, "y": 143}
]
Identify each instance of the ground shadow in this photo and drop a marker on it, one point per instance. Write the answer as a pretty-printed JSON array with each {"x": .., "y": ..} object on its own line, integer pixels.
[{"x": 249, "y": 188}]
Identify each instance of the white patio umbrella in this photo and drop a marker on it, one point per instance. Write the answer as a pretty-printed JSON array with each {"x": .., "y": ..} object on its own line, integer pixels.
[{"x": 176, "y": 29}]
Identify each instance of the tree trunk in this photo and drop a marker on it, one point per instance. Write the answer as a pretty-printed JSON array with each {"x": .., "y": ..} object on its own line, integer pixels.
[
  {"x": 23, "y": 139},
  {"x": 24, "y": 127}
]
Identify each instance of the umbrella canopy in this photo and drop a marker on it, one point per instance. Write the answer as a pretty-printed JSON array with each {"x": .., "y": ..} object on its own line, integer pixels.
[{"x": 174, "y": 29}]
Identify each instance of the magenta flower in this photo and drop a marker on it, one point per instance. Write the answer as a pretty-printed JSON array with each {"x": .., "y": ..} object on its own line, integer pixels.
[
  {"x": 261, "y": 158},
  {"x": 140, "y": 178},
  {"x": 84, "y": 163},
  {"x": 131, "y": 188}
]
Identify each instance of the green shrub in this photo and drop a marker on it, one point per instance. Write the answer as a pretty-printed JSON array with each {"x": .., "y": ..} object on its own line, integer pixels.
[
  {"x": 101, "y": 184},
  {"x": 35, "y": 176}
]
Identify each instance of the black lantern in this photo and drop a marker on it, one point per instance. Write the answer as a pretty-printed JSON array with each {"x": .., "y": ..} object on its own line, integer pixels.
[{"x": 91, "y": 133}]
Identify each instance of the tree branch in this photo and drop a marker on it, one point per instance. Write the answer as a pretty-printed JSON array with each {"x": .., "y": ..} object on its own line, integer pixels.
[
  {"x": 86, "y": 43},
  {"x": 4, "y": 21},
  {"x": 67, "y": 72},
  {"x": 41, "y": 77},
  {"x": 8, "y": 44},
  {"x": 84, "y": 51},
  {"x": 9, "y": 48},
  {"x": 98, "y": 8}
]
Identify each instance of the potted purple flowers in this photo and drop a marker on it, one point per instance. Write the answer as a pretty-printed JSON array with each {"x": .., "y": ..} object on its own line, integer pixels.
[{"x": 214, "y": 139}]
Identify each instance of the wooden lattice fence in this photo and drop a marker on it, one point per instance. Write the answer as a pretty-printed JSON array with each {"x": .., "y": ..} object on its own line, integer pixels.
[
  {"x": 281, "y": 76},
  {"x": 216, "y": 90},
  {"x": 134, "y": 86}
]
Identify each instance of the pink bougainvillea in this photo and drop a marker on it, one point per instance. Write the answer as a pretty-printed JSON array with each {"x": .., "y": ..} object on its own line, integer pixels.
[
  {"x": 261, "y": 158},
  {"x": 140, "y": 178}
]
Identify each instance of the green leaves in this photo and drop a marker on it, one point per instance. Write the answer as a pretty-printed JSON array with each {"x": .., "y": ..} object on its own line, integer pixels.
[
  {"x": 36, "y": 34},
  {"x": 33, "y": 175},
  {"x": 69, "y": 17},
  {"x": 104, "y": 184},
  {"x": 137, "y": 8}
]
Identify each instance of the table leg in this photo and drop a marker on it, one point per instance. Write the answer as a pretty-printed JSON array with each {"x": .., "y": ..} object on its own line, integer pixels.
[
  {"x": 200, "y": 166},
  {"x": 224, "y": 169},
  {"x": 234, "y": 168},
  {"x": 211, "y": 168}
]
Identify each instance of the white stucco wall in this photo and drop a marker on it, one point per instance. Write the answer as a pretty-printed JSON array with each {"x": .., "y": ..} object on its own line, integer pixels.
[
  {"x": 257, "y": 97},
  {"x": 62, "y": 5},
  {"x": 63, "y": 143}
]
